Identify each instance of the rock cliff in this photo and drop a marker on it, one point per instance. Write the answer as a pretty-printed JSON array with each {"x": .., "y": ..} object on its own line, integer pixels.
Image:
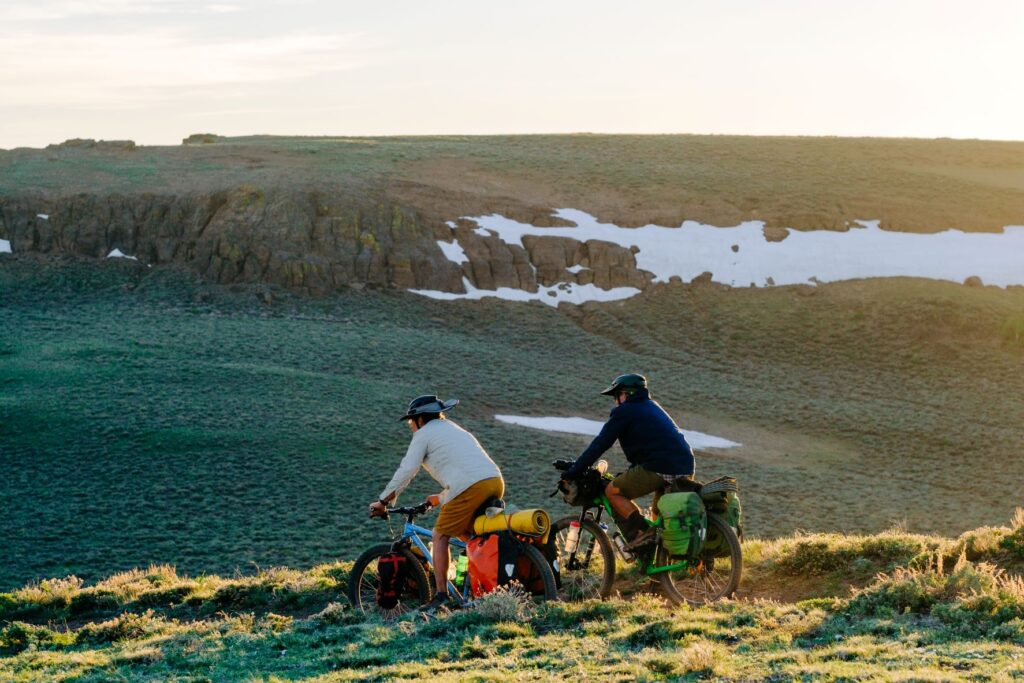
[{"x": 314, "y": 241}]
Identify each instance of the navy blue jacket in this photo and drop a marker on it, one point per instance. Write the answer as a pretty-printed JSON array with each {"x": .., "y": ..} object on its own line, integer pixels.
[{"x": 648, "y": 436}]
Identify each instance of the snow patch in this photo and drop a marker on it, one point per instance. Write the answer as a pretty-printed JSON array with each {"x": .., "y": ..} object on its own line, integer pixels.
[
  {"x": 453, "y": 251},
  {"x": 44, "y": 216},
  {"x": 864, "y": 251},
  {"x": 117, "y": 253},
  {"x": 576, "y": 269},
  {"x": 581, "y": 425},
  {"x": 5, "y": 246},
  {"x": 450, "y": 224},
  {"x": 552, "y": 296}
]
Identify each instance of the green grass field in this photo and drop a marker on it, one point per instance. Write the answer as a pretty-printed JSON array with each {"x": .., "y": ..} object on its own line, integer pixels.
[
  {"x": 886, "y": 607},
  {"x": 147, "y": 417}
]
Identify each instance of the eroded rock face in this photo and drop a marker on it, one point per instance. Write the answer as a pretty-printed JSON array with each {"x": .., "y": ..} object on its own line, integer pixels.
[
  {"x": 314, "y": 242},
  {"x": 307, "y": 242}
]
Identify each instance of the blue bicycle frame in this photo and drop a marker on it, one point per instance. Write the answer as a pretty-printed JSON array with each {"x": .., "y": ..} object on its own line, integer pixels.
[{"x": 413, "y": 535}]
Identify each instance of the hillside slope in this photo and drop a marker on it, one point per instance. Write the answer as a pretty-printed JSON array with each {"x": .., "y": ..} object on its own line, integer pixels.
[
  {"x": 320, "y": 214},
  {"x": 891, "y": 606},
  {"x": 147, "y": 416}
]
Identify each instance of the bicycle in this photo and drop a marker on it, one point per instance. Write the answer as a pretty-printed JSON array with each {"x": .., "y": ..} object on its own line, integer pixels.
[
  {"x": 588, "y": 564},
  {"x": 419, "y": 587}
]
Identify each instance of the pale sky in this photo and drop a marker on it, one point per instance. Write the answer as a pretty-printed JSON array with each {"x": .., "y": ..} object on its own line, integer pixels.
[{"x": 157, "y": 70}]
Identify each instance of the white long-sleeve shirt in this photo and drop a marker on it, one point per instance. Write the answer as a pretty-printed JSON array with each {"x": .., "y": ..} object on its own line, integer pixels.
[{"x": 450, "y": 454}]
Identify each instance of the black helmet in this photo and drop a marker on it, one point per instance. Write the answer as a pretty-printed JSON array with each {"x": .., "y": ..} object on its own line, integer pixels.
[
  {"x": 628, "y": 383},
  {"x": 422, "y": 405}
]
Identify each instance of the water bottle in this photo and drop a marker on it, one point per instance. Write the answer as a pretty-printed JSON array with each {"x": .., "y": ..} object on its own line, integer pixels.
[
  {"x": 620, "y": 545},
  {"x": 460, "y": 570},
  {"x": 572, "y": 539}
]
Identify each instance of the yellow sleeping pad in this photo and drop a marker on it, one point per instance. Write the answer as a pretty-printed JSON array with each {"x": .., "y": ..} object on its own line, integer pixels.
[{"x": 535, "y": 522}]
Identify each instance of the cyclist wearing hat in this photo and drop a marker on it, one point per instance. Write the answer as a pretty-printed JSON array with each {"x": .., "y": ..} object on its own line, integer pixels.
[
  {"x": 655, "y": 447},
  {"x": 457, "y": 461}
]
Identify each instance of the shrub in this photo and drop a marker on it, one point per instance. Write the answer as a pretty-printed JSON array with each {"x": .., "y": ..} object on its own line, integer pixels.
[
  {"x": 338, "y": 613},
  {"x": 655, "y": 634},
  {"x": 702, "y": 657},
  {"x": 17, "y": 637},
  {"x": 505, "y": 604},
  {"x": 127, "y": 626},
  {"x": 1013, "y": 542}
]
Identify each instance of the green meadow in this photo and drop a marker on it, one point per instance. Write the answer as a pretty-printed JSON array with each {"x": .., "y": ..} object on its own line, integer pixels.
[{"x": 149, "y": 418}]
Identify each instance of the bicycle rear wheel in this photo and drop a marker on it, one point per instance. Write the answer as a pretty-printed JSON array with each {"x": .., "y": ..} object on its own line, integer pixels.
[
  {"x": 710, "y": 578},
  {"x": 363, "y": 582},
  {"x": 539, "y": 578},
  {"x": 589, "y": 572}
]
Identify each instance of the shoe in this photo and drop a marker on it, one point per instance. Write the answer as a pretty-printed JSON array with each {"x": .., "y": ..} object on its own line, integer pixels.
[
  {"x": 439, "y": 601},
  {"x": 645, "y": 537}
]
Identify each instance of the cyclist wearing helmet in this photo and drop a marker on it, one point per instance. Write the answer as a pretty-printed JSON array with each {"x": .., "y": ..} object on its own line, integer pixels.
[
  {"x": 655, "y": 447},
  {"x": 457, "y": 461}
]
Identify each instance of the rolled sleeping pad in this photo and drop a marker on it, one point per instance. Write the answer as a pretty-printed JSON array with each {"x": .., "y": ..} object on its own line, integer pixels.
[{"x": 535, "y": 522}]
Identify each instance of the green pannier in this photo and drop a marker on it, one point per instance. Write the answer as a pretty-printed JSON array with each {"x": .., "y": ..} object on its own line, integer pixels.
[
  {"x": 722, "y": 497},
  {"x": 685, "y": 522}
]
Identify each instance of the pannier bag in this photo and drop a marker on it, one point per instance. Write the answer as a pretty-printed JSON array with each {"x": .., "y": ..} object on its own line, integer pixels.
[
  {"x": 393, "y": 572},
  {"x": 722, "y": 497},
  {"x": 493, "y": 561},
  {"x": 685, "y": 522},
  {"x": 498, "y": 559}
]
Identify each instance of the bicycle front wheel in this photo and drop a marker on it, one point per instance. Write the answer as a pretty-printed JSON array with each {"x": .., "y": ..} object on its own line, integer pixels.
[
  {"x": 363, "y": 583},
  {"x": 589, "y": 572},
  {"x": 710, "y": 578}
]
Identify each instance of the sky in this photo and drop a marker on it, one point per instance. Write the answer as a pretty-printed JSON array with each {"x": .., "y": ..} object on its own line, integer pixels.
[{"x": 155, "y": 71}]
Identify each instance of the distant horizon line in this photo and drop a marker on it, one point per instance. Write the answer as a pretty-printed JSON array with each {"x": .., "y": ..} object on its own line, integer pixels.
[{"x": 328, "y": 136}]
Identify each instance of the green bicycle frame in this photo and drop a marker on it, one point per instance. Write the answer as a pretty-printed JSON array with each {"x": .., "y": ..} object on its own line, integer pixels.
[{"x": 646, "y": 565}]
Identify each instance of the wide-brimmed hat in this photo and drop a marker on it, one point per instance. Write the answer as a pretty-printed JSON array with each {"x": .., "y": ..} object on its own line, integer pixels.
[{"x": 422, "y": 405}]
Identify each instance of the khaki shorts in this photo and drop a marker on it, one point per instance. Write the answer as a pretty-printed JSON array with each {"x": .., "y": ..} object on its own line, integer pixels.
[
  {"x": 457, "y": 515},
  {"x": 637, "y": 482}
]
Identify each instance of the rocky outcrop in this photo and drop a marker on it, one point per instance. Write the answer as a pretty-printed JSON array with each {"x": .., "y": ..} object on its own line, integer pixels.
[
  {"x": 314, "y": 242},
  {"x": 308, "y": 242}
]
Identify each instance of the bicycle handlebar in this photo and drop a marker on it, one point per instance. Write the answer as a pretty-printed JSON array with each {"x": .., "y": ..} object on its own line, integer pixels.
[{"x": 411, "y": 510}]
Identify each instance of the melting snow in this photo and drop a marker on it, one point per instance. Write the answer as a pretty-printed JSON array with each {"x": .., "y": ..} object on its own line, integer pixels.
[
  {"x": 117, "y": 253},
  {"x": 581, "y": 425},
  {"x": 804, "y": 256},
  {"x": 576, "y": 269},
  {"x": 44, "y": 216},
  {"x": 453, "y": 251},
  {"x": 552, "y": 296},
  {"x": 5, "y": 246}
]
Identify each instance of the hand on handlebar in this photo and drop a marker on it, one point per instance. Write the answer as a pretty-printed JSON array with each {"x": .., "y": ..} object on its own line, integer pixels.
[
  {"x": 433, "y": 500},
  {"x": 378, "y": 509}
]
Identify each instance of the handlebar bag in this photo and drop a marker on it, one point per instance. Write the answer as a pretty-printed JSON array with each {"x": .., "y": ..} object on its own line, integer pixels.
[{"x": 393, "y": 572}]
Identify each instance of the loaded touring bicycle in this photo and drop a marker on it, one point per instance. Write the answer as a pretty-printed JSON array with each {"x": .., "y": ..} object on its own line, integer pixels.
[{"x": 697, "y": 557}]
